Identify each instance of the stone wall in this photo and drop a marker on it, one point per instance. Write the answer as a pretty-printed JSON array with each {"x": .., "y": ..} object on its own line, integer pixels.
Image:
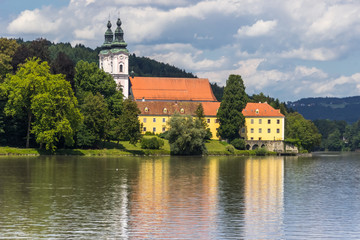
[{"x": 274, "y": 146}]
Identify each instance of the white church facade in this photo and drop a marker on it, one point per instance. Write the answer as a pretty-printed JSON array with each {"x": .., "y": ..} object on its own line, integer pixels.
[{"x": 114, "y": 57}]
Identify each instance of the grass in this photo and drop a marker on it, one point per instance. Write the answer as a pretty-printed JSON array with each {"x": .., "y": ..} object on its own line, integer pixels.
[{"x": 124, "y": 148}]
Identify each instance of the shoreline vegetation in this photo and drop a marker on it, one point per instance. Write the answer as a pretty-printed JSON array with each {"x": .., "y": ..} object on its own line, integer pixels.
[{"x": 123, "y": 148}]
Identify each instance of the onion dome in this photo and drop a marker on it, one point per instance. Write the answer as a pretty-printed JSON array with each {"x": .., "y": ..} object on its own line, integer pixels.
[
  {"x": 108, "y": 36},
  {"x": 119, "y": 36}
]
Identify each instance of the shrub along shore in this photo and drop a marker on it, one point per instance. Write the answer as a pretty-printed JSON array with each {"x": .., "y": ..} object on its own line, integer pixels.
[{"x": 123, "y": 148}]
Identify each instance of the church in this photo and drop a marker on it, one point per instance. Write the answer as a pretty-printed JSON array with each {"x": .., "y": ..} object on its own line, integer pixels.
[{"x": 158, "y": 98}]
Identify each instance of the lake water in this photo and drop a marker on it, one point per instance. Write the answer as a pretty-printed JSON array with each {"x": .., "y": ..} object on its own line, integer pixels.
[{"x": 180, "y": 197}]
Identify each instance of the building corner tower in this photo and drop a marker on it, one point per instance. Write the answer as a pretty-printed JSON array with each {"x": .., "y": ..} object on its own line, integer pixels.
[{"x": 114, "y": 57}]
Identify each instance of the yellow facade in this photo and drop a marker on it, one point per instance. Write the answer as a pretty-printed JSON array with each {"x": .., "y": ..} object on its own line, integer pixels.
[
  {"x": 263, "y": 128},
  {"x": 158, "y": 124}
]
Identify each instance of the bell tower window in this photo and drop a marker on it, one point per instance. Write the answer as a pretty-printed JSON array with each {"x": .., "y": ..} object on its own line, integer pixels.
[{"x": 121, "y": 68}]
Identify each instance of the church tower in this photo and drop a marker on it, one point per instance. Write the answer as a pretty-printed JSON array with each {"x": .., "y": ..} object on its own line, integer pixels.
[{"x": 114, "y": 57}]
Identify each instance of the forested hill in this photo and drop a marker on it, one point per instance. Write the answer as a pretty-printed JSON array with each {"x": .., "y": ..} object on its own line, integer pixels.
[
  {"x": 141, "y": 66},
  {"x": 347, "y": 108}
]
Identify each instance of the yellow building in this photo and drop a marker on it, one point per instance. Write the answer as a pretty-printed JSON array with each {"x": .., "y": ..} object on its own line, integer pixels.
[
  {"x": 263, "y": 122},
  {"x": 159, "y": 98}
]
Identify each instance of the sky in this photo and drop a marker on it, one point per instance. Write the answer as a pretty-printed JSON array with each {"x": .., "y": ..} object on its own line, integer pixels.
[{"x": 285, "y": 49}]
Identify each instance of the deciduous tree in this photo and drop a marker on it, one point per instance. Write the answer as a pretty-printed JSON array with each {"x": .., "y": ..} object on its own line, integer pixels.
[
  {"x": 296, "y": 127},
  {"x": 37, "y": 92},
  {"x": 7, "y": 50},
  {"x": 186, "y": 135}
]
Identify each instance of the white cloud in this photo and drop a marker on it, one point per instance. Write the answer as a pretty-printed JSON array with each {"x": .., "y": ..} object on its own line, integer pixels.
[
  {"x": 36, "y": 22},
  {"x": 259, "y": 28},
  {"x": 274, "y": 50},
  {"x": 319, "y": 54}
]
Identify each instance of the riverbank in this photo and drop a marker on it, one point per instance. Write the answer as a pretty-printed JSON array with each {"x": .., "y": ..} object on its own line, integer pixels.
[{"x": 123, "y": 148}]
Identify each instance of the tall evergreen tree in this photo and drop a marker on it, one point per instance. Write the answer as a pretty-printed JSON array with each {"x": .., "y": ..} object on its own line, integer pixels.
[{"x": 230, "y": 112}]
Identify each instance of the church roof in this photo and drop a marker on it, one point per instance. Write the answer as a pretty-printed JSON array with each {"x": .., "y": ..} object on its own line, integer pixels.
[
  {"x": 171, "y": 89},
  {"x": 260, "y": 110},
  {"x": 159, "y": 108}
]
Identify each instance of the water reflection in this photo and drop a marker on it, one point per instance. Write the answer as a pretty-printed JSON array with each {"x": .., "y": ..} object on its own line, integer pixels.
[
  {"x": 183, "y": 198},
  {"x": 264, "y": 203},
  {"x": 177, "y": 199}
]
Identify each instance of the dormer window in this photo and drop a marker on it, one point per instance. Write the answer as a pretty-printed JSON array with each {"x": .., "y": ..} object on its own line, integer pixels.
[
  {"x": 164, "y": 110},
  {"x": 257, "y": 111},
  {"x": 146, "y": 109},
  {"x": 182, "y": 110}
]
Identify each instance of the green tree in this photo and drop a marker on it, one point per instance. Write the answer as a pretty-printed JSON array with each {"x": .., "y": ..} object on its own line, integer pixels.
[
  {"x": 96, "y": 124},
  {"x": 128, "y": 126},
  {"x": 334, "y": 141},
  {"x": 56, "y": 114},
  {"x": 200, "y": 115},
  {"x": 35, "y": 91},
  {"x": 302, "y": 130},
  {"x": 230, "y": 112},
  {"x": 7, "y": 50},
  {"x": 64, "y": 65},
  {"x": 186, "y": 135},
  {"x": 90, "y": 78}
]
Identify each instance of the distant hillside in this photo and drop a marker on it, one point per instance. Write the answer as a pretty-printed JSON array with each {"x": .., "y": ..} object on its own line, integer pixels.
[
  {"x": 347, "y": 108},
  {"x": 142, "y": 66}
]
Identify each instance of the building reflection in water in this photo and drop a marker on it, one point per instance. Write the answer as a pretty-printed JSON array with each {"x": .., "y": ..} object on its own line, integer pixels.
[
  {"x": 177, "y": 199},
  {"x": 264, "y": 204}
]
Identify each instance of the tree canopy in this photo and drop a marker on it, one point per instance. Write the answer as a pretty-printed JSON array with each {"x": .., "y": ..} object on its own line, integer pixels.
[
  {"x": 230, "y": 114},
  {"x": 302, "y": 130},
  {"x": 8, "y": 48},
  {"x": 186, "y": 135},
  {"x": 45, "y": 96}
]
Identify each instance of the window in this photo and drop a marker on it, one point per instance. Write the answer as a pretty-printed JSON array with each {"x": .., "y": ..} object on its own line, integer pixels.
[
  {"x": 257, "y": 111},
  {"x": 208, "y": 120},
  {"x": 144, "y": 129},
  {"x": 154, "y": 119},
  {"x": 269, "y": 130},
  {"x": 243, "y": 130},
  {"x": 260, "y": 121},
  {"x": 216, "y": 120},
  {"x": 252, "y": 121},
  {"x": 111, "y": 67},
  {"x": 163, "y": 129},
  {"x": 260, "y": 130},
  {"x": 252, "y": 138},
  {"x": 144, "y": 120},
  {"x": 154, "y": 129},
  {"x": 164, "y": 120},
  {"x": 146, "y": 109},
  {"x": 278, "y": 121},
  {"x": 278, "y": 130},
  {"x": 269, "y": 121},
  {"x": 121, "y": 68},
  {"x": 252, "y": 130},
  {"x": 164, "y": 110},
  {"x": 182, "y": 110}
]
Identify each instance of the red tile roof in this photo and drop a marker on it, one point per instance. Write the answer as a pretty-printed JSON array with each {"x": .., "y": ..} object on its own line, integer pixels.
[
  {"x": 261, "y": 110},
  {"x": 171, "y": 89},
  {"x": 157, "y": 108}
]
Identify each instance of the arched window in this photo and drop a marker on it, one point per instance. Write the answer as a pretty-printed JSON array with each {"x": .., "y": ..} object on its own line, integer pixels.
[
  {"x": 121, "y": 68},
  {"x": 146, "y": 109},
  {"x": 164, "y": 110}
]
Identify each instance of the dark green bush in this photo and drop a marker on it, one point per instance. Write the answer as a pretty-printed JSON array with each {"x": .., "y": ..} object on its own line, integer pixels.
[
  {"x": 152, "y": 143},
  {"x": 238, "y": 143}
]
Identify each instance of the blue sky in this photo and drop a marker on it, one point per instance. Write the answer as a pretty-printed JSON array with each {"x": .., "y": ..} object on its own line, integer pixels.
[{"x": 286, "y": 49}]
